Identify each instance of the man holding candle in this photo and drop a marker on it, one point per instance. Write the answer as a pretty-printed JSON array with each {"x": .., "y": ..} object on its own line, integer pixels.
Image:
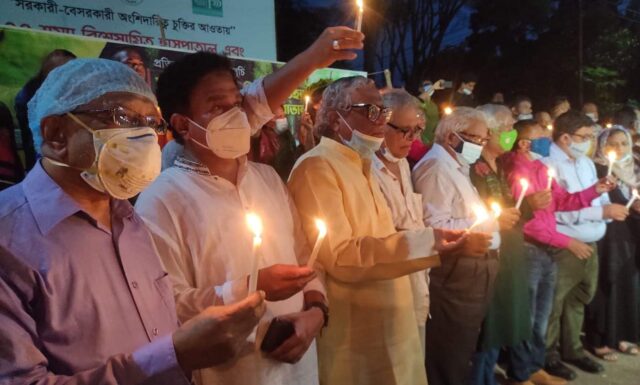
[
  {"x": 577, "y": 272},
  {"x": 460, "y": 290},
  {"x": 373, "y": 336},
  {"x": 84, "y": 298},
  {"x": 196, "y": 210}
]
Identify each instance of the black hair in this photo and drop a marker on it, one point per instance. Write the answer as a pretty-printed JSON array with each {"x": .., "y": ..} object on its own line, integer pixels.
[
  {"x": 523, "y": 125},
  {"x": 6, "y": 119},
  {"x": 468, "y": 77},
  {"x": 519, "y": 99},
  {"x": 570, "y": 122},
  {"x": 316, "y": 95},
  {"x": 179, "y": 79},
  {"x": 559, "y": 100},
  {"x": 625, "y": 117}
]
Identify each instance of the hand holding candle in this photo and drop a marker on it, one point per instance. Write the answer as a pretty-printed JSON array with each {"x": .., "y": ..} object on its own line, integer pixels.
[
  {"x": 633, "y": 198},
  {"x": 496, "y": 209},
  {"x": 481, "y": 216},
  {"x": 612, "y": 157},
  {"x": 255, "y": 225},
  {"x": 360, "y": 4},
  {"x": 322, "y": 232},
  {"x": 552, "y": 174},
  {"x": 525, "y": 186}
]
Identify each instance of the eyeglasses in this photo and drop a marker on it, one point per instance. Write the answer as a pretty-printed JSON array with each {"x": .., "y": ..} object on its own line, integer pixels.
[
  {"x": 481, "y": 141},
  {"x": 585, "y": 137},
  {"x": 407, "y": 133},
  {"x": 374, "y": 112},
  {"x": 126, "y": 118}
]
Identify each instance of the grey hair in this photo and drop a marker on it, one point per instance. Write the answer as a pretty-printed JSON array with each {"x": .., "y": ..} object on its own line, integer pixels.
[
  {"x": 459, "y": 120},
  {"x": 399, "y": 98},
  {"x": 496, "y": 116},
  {"x": 336, "y": 97}
]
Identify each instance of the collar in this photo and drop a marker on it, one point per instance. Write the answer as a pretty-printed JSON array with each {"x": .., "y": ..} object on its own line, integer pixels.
[
  {"x": 50, "y": 205},
  {"x": 439, "y": 152},
  {"x": 333, "y": 145},
  {"x": 556, "y": 153},
  {"x": 189, "y": 163}
]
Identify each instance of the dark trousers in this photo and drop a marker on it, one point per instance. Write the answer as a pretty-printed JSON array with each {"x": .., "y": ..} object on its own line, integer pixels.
[
  {"x": 516, "y": 360},
  {"x": 460, "y": 292}
]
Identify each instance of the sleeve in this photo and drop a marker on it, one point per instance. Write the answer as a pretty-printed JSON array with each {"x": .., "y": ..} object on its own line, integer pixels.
[
  {"x": 584, "y": 206},
  {"x": 23, "y": 359},
  {"x": 256, "y": 105},
  {"x": 168, "y": 239},
  {"x": 345, "y": 257},
  {"x": 436, "y": 189}
]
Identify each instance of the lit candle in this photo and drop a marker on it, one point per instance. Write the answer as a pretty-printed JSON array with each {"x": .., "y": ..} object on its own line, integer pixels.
[
  {"x": 549, "y": 127},
  {"x": 360, "y": 4},
  {"x": 387, "y": 78},
  {"x": 611, "y": 156},
  {"x": 448, "y": 110},
  {"x": 307, "y": 98},
  {"x": 255, "y": 225},
  {"x": 525, "y": 186},
  {"x": 634, "y": 196},
  {"x": 481, "y": 216},
  {"x": 609, "y": 125},
  {"x": 322, "y": 232},
  {"x": 496, "y": 209},
  {"x": 552, "y": 174}
]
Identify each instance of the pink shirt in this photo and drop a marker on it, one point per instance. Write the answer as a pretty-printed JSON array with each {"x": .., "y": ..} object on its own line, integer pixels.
[{"x": 542, "y": 227}]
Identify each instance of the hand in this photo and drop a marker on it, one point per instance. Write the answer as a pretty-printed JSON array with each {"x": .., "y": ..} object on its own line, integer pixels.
[
  {"x": 539, "y": 200},
  {"x": 439, "y": 85},
  {"x": 448, "y": 240},
  {"x": 580, "y": 249},
  {"x": 280, "y": 282},
  {"x": 606, "y": 184},
  {"x": 217, "y": 334},
  {"x": 307, "y": 325},
  {"x": 636, "y": 206},
  {"x": 615, "y": 211},
  {"x": 305, "y": 133},
  {"x": 472, "y": 245},
  {"x": 508, "y": 218},
  {"x": 323, "y": 52}
]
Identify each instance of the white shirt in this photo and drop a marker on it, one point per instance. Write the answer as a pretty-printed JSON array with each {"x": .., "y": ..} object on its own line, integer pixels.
[
  {"x": 406, "y": 210},
  {"x": 198, "y": 223},
  {"x": 587, "y": 224},
  {"x": 449, "y": 195}
]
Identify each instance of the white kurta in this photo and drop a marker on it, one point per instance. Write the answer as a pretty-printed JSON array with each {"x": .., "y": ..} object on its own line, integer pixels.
[
  {"x": 406, "y": 211},
  {"x": 198, "y": 224}
]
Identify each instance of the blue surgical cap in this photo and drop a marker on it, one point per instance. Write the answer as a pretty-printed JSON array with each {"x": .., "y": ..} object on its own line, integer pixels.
[{"x": 78, "y": 82}]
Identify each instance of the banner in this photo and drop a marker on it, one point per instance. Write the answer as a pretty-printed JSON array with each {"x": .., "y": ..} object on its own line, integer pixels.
[
  {"x": 22, "y": 51},
  {"x": 243, "y": 28}
]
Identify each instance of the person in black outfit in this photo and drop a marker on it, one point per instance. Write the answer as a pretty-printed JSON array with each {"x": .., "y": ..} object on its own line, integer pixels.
[{"x": 463, "y": 97}]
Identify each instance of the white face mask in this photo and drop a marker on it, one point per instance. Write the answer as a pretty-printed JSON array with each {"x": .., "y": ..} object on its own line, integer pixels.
[
  {"x": 592, "y": 116},
  {"x": 470, "y": 152},
  {"x": 467, "y": 91},
  {"x": 579, "y": 149},
  {"x": 389, "y": 156},
  {"x": 428, "y": 89},
  {"x": 525, "y": 117},
  {"x": 228, "y": 135},
  {"x": 126, "y": 160},
  {"x": 363, "y": 144},
  {"x": 282, "y": 125}
]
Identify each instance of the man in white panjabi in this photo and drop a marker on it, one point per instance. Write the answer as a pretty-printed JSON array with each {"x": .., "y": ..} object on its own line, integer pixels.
[
  {"x": 391, "y": 171},
  {"x": 196, "y": 210}
]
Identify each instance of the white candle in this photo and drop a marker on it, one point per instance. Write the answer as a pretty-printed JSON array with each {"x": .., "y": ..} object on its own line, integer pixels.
[
  {"x": 307, "y": 98},
  {"x": 255, "y": 225},
  {"x": 633, "y": 198},
  {"x": 496, "y": 209},
  {"x": 525, "y": 186},
  {"x": 360, "y": 13},
  {"x": 387, "y": 78},
  {"x": 322, "y": 232},
  {"x": 611, "y": 156},
  {"x": 552, "y": 174},
  {"x": 481, "y": 216}
]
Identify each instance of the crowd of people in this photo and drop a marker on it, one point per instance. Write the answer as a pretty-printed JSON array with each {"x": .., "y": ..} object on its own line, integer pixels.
[{"x": 457, "y": 240}]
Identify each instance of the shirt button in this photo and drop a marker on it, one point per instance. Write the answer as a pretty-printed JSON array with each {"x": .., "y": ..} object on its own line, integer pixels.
[
  {"x": 134, "y": 284},
  {"x": 155, "y": 331}
]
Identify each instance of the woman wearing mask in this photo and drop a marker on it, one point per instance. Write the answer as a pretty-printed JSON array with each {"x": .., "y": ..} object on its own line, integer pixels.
[{"x": 613, "y": 318}]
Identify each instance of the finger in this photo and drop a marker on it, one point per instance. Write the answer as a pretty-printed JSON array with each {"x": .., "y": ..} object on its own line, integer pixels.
[
  {"x": 344, "y": 55},
  {"x": 342, "y": 32},
  {"x": 282, "y": 350},
  {"x": 300, "y": 273},
  {"x": 346, "y": 44},
  {"x": 295, "y": 354}
]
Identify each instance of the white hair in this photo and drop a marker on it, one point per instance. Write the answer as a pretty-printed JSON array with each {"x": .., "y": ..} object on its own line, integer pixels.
[
  {"x": 459, "y": 120},
  {"x": 496, "y": 116},
  {"x": 336, "y": 97}
]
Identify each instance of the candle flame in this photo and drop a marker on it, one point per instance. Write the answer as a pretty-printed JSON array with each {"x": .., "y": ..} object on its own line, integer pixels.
[
  {"x": 255, "y": 224},
  {"x": 360, "y": 4},
  {"x": 635, "y": 193},
  {"x": 549, "y": 127},
  {"x": 497, "y": 210},
  {"x": 551, "y": 173},
  {"x": 480, "y": 213},
  {"x": 448, "y": 110},
  {"x": 307, "y": 98},
  {"x": 524, "y": 183},
  {"x": 609, "y": 125},
  {"x": 322, "y": 228},
  {"x": 612, "y": 156}
]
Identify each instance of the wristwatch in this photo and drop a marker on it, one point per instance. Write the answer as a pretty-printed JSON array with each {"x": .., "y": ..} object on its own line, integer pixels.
[{"x": 321, "y": 306}]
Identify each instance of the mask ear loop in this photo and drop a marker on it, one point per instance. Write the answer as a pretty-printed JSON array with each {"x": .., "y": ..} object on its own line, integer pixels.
[
  {"x": 80, "y": 122},
  {"x": 60, "y": 164},
  {"x": 201, "y": 128}
]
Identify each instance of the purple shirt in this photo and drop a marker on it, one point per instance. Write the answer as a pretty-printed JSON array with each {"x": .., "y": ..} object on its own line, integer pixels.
[{"x": 80, "y": 304}]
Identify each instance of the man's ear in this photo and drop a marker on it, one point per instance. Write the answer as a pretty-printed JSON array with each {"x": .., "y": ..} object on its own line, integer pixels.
[
  {"x": 54, "y": 137},
  {"x": 180, "y": 124}
]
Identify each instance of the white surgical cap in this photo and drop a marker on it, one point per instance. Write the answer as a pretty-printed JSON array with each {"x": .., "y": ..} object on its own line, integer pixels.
[{"x": 78, "y": 82}]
